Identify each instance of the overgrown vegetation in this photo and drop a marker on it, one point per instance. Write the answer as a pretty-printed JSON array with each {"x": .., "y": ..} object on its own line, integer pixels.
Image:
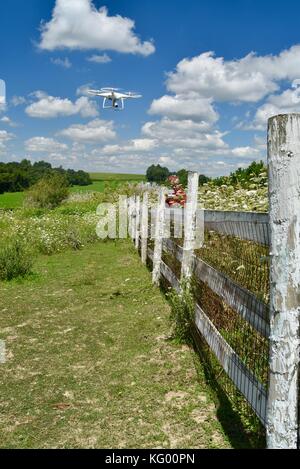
[
  {"x": 182, "y": 312},
  {"x": 244, "y": 194},
  {"x": 48, "y": 192},
  {"x": 15, "y": 259}
]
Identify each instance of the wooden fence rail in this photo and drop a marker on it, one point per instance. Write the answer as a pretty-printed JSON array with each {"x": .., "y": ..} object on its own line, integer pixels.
[
  {"x": 238, "y": 298},
  {"x": 276, "y": 405},
  {"x": 248, "y": 226}
]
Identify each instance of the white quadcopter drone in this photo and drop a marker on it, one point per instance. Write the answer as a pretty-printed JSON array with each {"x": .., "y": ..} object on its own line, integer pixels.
[{"x": 113, "y": 98}]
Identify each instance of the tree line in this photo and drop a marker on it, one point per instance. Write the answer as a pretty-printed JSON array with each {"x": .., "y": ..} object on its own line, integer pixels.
[
  {"x": 16, "y": 177},
  {"x": 242, "y": 176},
  {"x": 160, "y": 174}
]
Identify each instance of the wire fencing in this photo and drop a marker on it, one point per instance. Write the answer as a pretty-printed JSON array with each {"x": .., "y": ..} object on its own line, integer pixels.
[{"x": 245, "y": 277}]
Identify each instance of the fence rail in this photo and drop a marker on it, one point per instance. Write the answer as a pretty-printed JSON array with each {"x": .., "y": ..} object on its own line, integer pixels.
[
  {"x": 240, "y": 328},
  {"x": 240, "y": 299},
  {"x": 245, "y": 381},
  {"x": 249, "y": 226}
]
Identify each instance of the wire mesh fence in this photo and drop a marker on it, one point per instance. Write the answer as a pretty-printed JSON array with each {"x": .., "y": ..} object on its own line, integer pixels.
[{"x": 231, "y": 288}]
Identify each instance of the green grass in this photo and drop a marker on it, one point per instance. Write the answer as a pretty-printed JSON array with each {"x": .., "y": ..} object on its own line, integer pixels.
[
  {"x": 97, "y": 186},
  {"x": 89, "y": 363},
  {"x": 100, "y": 181},
  {"x": 117, "y": 177},
  {"x": 11, "y": 200}
]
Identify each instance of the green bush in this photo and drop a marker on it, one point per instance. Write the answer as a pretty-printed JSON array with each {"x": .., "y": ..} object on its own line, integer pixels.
[
  {"x": 182, "y": 312},
  {"x": 48, "y": 192},
  {"x": 15, "y": 259}
]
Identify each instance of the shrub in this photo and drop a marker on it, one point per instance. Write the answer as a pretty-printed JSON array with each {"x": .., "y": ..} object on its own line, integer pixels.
[
  {"x": 48, "y": 192},
  {"x": 182, "y": 312},
  {"x": 15, "y": 259}
]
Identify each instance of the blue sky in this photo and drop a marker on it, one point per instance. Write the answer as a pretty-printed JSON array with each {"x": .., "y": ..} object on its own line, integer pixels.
[{"x": 210, "y": 72}]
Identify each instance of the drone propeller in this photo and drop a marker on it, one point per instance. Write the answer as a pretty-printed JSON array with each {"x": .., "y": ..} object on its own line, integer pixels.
[
  {"x": 96, "y": 92},
  {"x": 133, "y": 94},
  {"x": 111, "y": 89}
]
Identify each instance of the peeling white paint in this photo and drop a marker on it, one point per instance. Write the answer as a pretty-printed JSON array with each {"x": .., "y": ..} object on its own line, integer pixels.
[
  {"x": 284, "y": 198},
  {"x": 190, "y": 211},
  {"x": 144, "y": 227},
  {"x": 159, "y": 233},
  {"x": 137, "y": 221}
]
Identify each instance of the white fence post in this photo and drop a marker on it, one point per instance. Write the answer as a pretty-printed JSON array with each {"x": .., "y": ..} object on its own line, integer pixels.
[
  {"x": 284, "y": 190},
  {"x": 144, "y": 227},
  {"x": 131, "y": 217},
  {"x": 159, "y": 233},
  {"x": 137, "y": 221},
  {"x": 190, "y": 213}
]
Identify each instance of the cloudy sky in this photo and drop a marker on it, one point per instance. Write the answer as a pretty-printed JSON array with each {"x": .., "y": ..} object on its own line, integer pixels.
[{"x": 211, "y": 72}]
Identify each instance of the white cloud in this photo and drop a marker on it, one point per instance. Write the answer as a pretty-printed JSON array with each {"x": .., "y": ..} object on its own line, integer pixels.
[
  {"x": 183, "y": 107},
  {"x": 260, "y": 142},
  {"x": 248, "y": 152},
  {"x": 18, "y": 100},
  {"x": 43, "y": 144},
  {"x": 184, "y": 135},
  {"x": 138, "y": 145},
  {"x": 65, "y": 63},
  {"x": 7, "y": 121},
  {"x": 2, "y": 95},
  {"x": 4, "y": 138},
  {"x": 99, "y": 59},
  {"x": 83, "y": 89},
  {"x": 248, "y": 79},
  {"x": 49, "y": 107},
  {"x": 286, "y": 102},
  {"x": 77, "y": 24},
  {"x": 96, "y": 131}
]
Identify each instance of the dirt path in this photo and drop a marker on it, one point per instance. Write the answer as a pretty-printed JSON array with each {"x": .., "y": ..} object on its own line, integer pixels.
[{"x": 88, "y": 363}]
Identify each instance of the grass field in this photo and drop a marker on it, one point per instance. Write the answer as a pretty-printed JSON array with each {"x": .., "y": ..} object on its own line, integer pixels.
[
  {"x": 89, "y": 363},
  {"x": 11, "y": 200},
  {"x": 117, "y": 177}
]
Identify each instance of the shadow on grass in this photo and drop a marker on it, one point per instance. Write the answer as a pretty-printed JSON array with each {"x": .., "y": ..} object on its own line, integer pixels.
[{"x": 240, "y": 436}]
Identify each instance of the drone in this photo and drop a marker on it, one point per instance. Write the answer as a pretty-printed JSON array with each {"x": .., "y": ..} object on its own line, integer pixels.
[{"x": 114, "y": 98}]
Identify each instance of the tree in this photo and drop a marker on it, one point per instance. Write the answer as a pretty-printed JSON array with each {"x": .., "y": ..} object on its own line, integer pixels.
[
  {"x": 16, "y": 177},
  {"x": 157, "y": 173},
  {"x": 203, "y": 179},
  {"x": 183, "y": 177}
]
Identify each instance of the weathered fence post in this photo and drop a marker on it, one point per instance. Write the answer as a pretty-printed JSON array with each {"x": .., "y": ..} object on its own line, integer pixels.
[
  {"x": 131, "y": 216},
  {"x": 190, "y": 212},
  {"x": 137, "y": 221},
  {"x": 284, "y": 198},
  {"x": 159, "y": 233},
  {"x": 144, "y": 227}
]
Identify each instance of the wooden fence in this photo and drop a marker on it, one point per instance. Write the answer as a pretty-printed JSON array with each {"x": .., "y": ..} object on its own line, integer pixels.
[{"x": 274, "y": 397}]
